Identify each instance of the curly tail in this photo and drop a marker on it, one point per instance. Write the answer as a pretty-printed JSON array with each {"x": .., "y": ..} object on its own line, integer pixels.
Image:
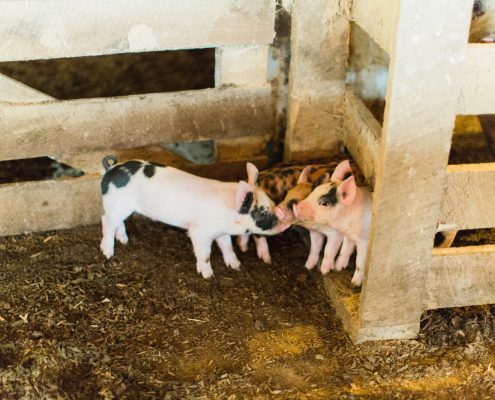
[{"x": 107, "y": 164}]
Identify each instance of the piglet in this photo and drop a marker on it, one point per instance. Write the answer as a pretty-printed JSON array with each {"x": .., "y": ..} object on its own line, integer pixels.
[
  {"x": 345, "y": 207},
  {"x": 208, "y": 209}
]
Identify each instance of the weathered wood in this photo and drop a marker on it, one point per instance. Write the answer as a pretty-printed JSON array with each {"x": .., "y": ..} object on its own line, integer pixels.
[
  {"x": 378, "y": 19},
  {"x": 469, "y": 197},
  {"x": 17, "y": 92},
  {"x": 241, "y": 65},
  {"x": 478, "y": 80},
  {"x": 419, "y": 118},
  {"x": 52, "y": 128},
  {"x": 35, "y": 29},
  {"x": 319, "y": 43},
  {"x": 361, "y": 134},
  {"x": 461, "y": 276},
  {"x": 46, "y": 205}
]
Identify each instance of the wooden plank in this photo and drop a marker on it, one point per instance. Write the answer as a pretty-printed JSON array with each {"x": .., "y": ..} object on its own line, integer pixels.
[
  {"x": 478, "y": 80},
  {"x": 461, "y": 276},
  {"x": 90, "y": 124},
  {"x": 487, "y": 122},
  {"x": 34, "y": 29},
  {"x": 319, "y": 47},
  {"x": 378, "y": 18},
  {"x": 46, "y": 205},
  {"x": 419, "y": 118},
  {"x": 469, "y": 196},
  {"x": 361, "y": 134},
  {"x": 16, "y": 92},
  {"x": 241, "y": 65}
]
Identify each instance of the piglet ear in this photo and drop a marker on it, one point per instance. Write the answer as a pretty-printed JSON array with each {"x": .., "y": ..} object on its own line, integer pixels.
[
  {"x": 347, "y": 191},
  {"x": 252, "y": 173},
  {"x": 243, "y": 197},
  {"x": 303, "y": 178},
  {"x": 341, "y": 170}
]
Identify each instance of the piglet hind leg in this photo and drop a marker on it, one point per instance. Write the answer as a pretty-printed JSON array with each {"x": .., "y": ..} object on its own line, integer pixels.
[
  {"x": 262, "y": 249},
  {"x": 107, "y": 241},
  {"x": 334, "y": 241},
  {"x": 229, "y": 257},
  {"x": 314, "y": 253},
  {"x": 121, "y": 234},
  {"x": 202, "y": 250},
  {"x": 345, "y": 253}
]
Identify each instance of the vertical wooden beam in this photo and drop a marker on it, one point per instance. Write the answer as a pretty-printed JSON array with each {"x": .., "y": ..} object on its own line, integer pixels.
[
  {"x": 422, "y": 93},
  {"x": 319, "y": 46}
]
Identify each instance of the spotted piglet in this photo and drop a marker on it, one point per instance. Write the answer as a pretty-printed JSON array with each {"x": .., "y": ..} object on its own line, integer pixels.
[
  {"x": 208, "y": 209},
  {"x": 345, "y": 207}
]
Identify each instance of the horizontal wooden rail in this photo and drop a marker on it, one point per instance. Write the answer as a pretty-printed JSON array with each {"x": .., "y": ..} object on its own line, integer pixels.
[
  {"x": 378, "y": 18},
  {"x": 34, "y": 29},
  {"x": 361, "y": 134},
  {"x": 46, "y": 205},
  {"x": 478, "y": 85},
  {"x": 469, "y": 196},
  {"x": 461, "y": 276},
  {"x": 58, "y": 127}
]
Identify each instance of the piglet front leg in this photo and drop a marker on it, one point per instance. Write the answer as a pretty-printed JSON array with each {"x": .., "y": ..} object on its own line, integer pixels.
[
  {"x": 262, "y": 249},
  {"x": 242, "y": 242},
  {"x": 314, "y": 253},
  {"x": 357, "y": 279},
  {"x": 334, "y": 241},
  {"x": 202, "y": 250},
  {"x": 229, "y": 257},
  {"x": 345, "y": 253}
]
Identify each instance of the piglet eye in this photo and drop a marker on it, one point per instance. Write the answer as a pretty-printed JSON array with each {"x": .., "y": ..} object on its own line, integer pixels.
[{"x": 323, "y": 203}]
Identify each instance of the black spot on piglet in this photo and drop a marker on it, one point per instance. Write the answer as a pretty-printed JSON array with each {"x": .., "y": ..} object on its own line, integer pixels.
[
  {"x": 262, "y": 218},
  {"x": 120, "y": 175},
  {"x": 246, "y": 203}
]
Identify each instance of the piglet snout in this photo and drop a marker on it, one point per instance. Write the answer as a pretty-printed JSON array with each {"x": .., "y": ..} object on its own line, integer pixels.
[
  {"x": 295, "y": 209},
  {"x": 302, "y": 211},
  {"x": 280, "y": 213}
]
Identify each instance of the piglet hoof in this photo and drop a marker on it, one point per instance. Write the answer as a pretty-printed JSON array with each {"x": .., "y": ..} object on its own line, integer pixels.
[
  {"x": 311, "y": 263},
  {"x": 341, "y": 264},
  {"x": 264, "y": 255},
  {"x": 107, "y": 251},
  {"x": 233, "y": 263},
  {"x": 327, "y": 266},
  {"x": 122, "y": 238},
  {"x": 205, "y": 270},
  {"x": 357, "y": 279}
]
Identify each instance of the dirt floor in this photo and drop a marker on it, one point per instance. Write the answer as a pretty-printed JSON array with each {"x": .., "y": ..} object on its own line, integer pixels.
[{"x": 144, "y": 325}]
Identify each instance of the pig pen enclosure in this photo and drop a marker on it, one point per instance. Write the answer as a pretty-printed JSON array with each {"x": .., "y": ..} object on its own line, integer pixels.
[{"x": 144, "y": 325}]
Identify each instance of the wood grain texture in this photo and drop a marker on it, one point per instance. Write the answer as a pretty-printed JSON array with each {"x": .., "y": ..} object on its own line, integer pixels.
[
  {"x": 319, "y": 46},
  {"x": 36, "y": 29},
  {"x": 57, "y": 127},
  {"x": 478, "y": 80},
  {"x": 46, "y": 205},
  {"x": 419, "y": 118},
  {"x": 469, "y": 196},
  {"x": 361, "y": 134},
  {"x": 378, "y": 18},
  {"x": 241, "y": 65},
  {"x": 461, "y": 276}
]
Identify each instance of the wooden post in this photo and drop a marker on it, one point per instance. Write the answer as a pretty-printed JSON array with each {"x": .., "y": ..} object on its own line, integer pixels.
[
  {"x": 422, "y": 93},
  {"x": 319, "y": 43}
]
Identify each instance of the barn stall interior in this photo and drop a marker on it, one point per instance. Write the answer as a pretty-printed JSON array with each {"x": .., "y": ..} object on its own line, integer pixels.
[{"x": 410, "y": 98}]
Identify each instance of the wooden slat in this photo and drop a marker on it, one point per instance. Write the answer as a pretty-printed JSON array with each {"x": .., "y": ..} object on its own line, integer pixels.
[
  {"x": 469, "y": 198},
  {"x": 478, "y": 80},
  {"x": 91, "y": 124},
  {"x": 461, "y": 276},
  {"x": 17, "y": 92},
  {"x": 378, "y": 18},
  {"x": 241, "y": 65},
  {"x": 319, "y": 46},
  {"x": 34, "y": 29},
  {"x": 46, "y": 205},
  {"x": 361, "y": 134},
  {"x": 419, "y": 118}
]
